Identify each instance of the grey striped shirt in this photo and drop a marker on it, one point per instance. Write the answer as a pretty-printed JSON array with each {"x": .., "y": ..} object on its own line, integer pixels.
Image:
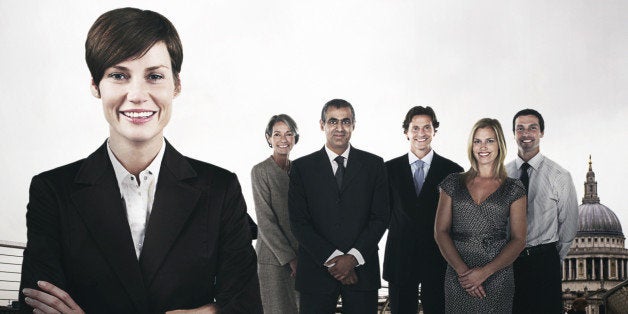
[{"x": 552, "y": 203}]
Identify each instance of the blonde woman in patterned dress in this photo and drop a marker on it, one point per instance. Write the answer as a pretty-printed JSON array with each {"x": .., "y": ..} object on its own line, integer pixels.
[
  {"x": 276, "y": 246},
  {"x": 480, "y": 226}
]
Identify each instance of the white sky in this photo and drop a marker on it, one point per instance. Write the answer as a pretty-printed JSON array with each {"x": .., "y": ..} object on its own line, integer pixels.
[{"x": 247, "y": 60}]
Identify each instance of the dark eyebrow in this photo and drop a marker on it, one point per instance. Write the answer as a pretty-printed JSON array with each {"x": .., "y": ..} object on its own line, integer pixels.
[
  {"x": 119, "y": 67},
  {"x": 156, "y": 67},
  {"x": 123, "y": 68}
]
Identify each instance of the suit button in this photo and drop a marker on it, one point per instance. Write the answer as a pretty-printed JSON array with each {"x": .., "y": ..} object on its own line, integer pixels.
[{"x": 337, "y": 226}]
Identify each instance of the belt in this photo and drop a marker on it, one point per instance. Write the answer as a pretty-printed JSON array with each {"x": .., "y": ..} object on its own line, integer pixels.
[
  {"x": 538, "y": 249},
  {"x": 459, "y": 236}
]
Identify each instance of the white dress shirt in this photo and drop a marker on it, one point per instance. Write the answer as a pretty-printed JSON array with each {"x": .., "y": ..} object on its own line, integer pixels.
[
  {"x": 334, "y": 167},
  {"x": 138, "y": 196},
  {"x": 552, "y": 203}
]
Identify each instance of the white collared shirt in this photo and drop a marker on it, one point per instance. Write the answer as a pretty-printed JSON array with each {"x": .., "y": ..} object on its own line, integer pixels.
[
  {"x": 138, "y": 197},
  {"x": 427, "y": 162},
  {"x": 334, "y": 166},
  {"x": 552, "y": 203},
  {"x": 331, "y": 155}
]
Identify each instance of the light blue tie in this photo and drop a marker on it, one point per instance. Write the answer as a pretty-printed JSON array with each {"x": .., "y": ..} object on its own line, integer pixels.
[{"x": 419, "y": 176}]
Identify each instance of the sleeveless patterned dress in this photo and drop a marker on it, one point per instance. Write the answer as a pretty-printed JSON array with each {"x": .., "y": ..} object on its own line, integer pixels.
[{"x": 480, "y": 232}]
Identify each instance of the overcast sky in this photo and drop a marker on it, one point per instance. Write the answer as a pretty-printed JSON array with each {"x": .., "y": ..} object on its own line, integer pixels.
[{"x": 247, "y": 60}]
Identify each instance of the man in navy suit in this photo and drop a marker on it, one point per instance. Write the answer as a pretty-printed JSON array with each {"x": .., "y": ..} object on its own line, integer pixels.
[
  {"x": 338, "y": 204},
  {"x": 412, "y": 256}
]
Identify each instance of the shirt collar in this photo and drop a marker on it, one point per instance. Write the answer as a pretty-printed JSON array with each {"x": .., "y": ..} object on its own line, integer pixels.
[
  {"x": 122, "y": 173},
  {"x": 534, "y": 162},
  {"x": 331, "y": 155},
  {"x": 426, "y": 159}
]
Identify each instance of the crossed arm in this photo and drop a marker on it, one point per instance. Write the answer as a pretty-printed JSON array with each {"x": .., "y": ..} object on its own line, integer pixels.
[
  {"x": 43, "y": 279},
  {"x": 51, "y": 299}
]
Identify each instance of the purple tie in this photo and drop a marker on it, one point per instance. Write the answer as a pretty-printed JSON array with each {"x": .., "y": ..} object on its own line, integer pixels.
[{"x": 419, "y": 176}]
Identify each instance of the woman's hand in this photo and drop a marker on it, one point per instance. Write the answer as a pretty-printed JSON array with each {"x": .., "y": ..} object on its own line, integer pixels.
[
  {"x": 477, "y": 292},
  {"x": 50, "y": 299},
  {"x": 472, "y": 280},
  {"x": 205, "y": 309},
  {"x": 293, "y": 267}
]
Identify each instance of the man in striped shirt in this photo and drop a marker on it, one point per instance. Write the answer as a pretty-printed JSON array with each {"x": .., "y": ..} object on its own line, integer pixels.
[{"x": 552, "y": 219}]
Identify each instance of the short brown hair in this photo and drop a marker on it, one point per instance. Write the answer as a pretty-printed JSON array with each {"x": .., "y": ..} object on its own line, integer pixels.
[
  {"x": 419, "y": 111},
  {"x": 126, "y": 33}
]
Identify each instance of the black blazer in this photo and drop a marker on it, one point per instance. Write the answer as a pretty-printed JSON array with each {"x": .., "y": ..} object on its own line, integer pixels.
[
  {"x": 324, "y": 218},
  {"x": 197, "y": 246},
  {"x": 410, "y": 243}
]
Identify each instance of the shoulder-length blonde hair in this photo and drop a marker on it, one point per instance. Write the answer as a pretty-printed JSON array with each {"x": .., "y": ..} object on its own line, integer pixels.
[{"x": 499, "y": 171}]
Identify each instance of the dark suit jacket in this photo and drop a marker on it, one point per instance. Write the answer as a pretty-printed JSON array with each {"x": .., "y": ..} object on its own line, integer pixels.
[
  {"x": 197, "y": 246},
  {"x": 411, "y": 251},
  {"x": 324, "y": 218}
]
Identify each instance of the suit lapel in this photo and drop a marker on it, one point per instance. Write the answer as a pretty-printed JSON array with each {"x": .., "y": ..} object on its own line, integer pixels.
[
  {"x": 174, "y": 202},
  {"x": 431, "y": 181},
  {"x": 354, "y": 166},
  {"x": 405, "y": 174},
  {"x": 102, "y": 210},
  {"x": 401, "y": 177},
  {"x": 327, "y": 174}
]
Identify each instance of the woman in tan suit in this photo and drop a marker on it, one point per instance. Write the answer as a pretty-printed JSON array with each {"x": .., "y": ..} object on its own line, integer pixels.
[{"x": 276, "y": 246}]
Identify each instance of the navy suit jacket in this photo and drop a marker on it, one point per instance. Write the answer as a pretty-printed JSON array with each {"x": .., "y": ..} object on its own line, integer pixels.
[
  {"x": 197, "y": 246},
  {"x": 411, "y": 251},
  {"x": 324, "y": 218}
]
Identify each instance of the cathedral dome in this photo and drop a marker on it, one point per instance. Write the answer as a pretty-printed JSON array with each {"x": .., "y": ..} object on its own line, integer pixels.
[
  {"x": 597, "y": 219},
  {"x": 593, "y": 217}
]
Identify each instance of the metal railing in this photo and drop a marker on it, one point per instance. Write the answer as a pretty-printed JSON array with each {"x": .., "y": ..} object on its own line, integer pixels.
[
  {"x": 616, "y": 299},
  {"x": 10, "y": 270},
  {"x": 11, "y": 254}
]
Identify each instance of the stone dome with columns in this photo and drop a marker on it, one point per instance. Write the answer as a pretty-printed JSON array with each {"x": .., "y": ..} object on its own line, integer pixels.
[
  {"x": 596, "y": 219},
  {"x": 598, "y": 259}
]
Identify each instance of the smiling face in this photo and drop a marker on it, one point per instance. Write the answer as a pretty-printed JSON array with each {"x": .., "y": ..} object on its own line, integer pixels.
[
  {"x": 338, "y": 127},
  {"x": 528, "y": 135},
  {"x": 281, "y": 139},
  {"x": 420, "y": 134},
  {"x": 485, "y": 146},
  {"x": 137, "y": 97}
]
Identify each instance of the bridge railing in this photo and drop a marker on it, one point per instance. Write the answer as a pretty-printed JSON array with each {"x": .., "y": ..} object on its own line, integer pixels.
[
  {"x": 10, "y": 269},
  {"x": 616, "y": 299}
]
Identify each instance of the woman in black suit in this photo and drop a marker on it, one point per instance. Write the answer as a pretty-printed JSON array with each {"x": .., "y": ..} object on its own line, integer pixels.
[{"x": 137, "y": 227}]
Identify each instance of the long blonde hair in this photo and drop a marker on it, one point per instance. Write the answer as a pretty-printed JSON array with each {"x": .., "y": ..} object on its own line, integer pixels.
[{"x": 499, "y": 171}]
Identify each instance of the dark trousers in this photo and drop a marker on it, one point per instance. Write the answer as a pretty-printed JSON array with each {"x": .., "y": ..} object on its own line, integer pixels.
[
  {"x": 538, "y": 283},
  {"x": 353, "y": 302},
  {"x": 404, "y": 299}
]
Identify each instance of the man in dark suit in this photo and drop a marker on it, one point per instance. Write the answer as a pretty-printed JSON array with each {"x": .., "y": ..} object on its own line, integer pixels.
[
  {"x": 412, "y": 256},
  {"x": 137, "y": 227},
  {"x": 338, "y": 204}
]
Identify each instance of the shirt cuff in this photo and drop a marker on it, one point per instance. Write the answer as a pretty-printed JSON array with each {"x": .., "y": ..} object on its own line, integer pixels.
[
  {"x": 357, "y": 255},
  {"x": 336, "y": 253}
]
